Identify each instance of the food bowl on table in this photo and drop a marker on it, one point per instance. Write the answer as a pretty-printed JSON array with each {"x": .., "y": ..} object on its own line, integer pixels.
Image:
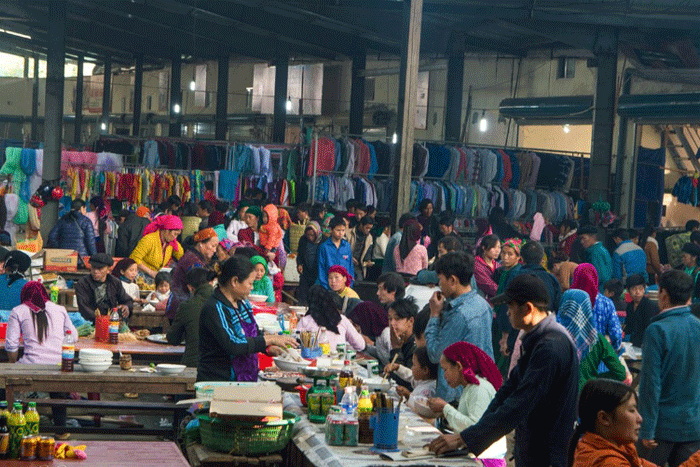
[
  {"x": 375, "y": 383},
  {"x": 95, "y": 367},
  {"x": 421, "y": 407},
  {"x": 257, "y": 298},
  {"x": 289, "y": 365},
  {"x": 95, "y": 353},
  {"x": 170, "y": 369}
]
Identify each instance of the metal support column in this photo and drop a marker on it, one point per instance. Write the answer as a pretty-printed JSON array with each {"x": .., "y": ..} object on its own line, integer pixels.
[
  {"x": 357, "y": 93},
  {"x": 175, "y": 129},
  {"x": 53, "y": 121},
  {"x": 455, "y": 88},
  {"x": 138, "y": 93},
  {"x": 35, "y": 100},
  {"x": 408, "y": 78},
  {"x": 605, "y": 50},
  {"x": 222, "y": 99},
  {"x": 279, "y": 122},
  {"x": 106, "y": 96},
  {"x": 78, "y": 124}
]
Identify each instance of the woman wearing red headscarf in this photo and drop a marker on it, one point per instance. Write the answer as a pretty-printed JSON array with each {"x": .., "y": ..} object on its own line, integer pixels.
[
  {"x": 41, "y": 323},
  {"x": 467, "y": 365},
  {"x": 409, "y": 255},
  {"x": 158, "y": 245},
  {"x": 339, "y": 281}
]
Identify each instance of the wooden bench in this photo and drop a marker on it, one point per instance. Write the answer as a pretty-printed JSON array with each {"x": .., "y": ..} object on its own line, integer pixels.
[{"x": 178, "y": 412}]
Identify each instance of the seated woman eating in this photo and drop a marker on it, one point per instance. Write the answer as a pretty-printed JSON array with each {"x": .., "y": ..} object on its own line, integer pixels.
[
  {"x": 324, "y": 312},
  {"x": 467, "y": 365},
  {"x": 609, "y": 427}
]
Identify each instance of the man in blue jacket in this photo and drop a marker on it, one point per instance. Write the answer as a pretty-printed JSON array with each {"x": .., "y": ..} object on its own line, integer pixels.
[
  {"x": 596, "y": 254},
  {"x": 627, "y": 258},
  {"x": 74, "y": 231},
  {"x": 457, "y": 313},
  {"x": 669, "y": 389},
  {"x": 539, "y": 398},
  {"x": 335, "y": 250}
]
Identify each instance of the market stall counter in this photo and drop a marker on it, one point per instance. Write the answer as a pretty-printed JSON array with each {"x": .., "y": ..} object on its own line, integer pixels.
[{"x": 309, "y": 448}]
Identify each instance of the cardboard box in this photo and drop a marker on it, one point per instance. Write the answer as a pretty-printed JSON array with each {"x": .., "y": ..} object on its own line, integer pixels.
[
  {"x": 247, "y": 400},
  {"x": 56, "y": 260}
]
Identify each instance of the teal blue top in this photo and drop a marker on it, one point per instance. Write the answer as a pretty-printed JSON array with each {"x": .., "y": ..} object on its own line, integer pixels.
[
  {"x": 9, "y": 294},
  {"x": 600, "y": 258},
  {"x": 264, "y": 287}
]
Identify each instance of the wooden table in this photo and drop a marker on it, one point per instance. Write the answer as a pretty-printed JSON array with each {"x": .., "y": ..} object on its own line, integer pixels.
[
  {"x": 15, "y": 377},
  {"x": 116, "y": 454},
  {"x": 201, "y": 456},
  {"x": 140, "y": 351}
]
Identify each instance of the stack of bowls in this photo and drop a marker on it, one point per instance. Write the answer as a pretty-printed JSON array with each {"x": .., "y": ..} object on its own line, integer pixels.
[{"x": 95, "y": 360}]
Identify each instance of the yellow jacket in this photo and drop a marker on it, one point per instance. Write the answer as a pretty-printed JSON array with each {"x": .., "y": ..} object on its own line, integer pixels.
[{"x": 149, "y": 252}]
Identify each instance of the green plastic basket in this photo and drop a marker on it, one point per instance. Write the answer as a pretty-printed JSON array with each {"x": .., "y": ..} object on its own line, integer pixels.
[{"x": 246, "y": 437}]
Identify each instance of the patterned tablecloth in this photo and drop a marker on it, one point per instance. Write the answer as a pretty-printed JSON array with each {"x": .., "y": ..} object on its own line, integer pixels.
[{"x": 414, "y": 433}]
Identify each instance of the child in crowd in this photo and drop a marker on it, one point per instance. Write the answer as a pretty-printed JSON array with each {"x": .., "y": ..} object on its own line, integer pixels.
[
  {"x": 159, "y": 297},
  {"x": 640, "y": 310},
  {"x": 613, "y": 290},
  {"x": 271, "y": 233},
  {"x": 423, "y": 378},
  {"x": 263, "y": 283},
  {"x": 126, "y": 270}
]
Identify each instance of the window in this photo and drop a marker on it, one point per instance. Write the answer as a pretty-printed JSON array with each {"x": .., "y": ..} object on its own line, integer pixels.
[
  {"x": 11, "y": 65},
  {"x": 149, "y": 102},
  {"x": 566, "y": 67},
  {"x": 369, "y": 89},
  {"x": 200, "y": 83}
]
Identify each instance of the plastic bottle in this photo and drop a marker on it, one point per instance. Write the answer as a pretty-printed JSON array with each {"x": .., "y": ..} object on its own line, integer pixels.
[
  {"x": 114, "y": 327},
  {"x": 17, "y": 426},
  {"x": 4, "y": 438},
  {"x": 68, "y": 352},
  {"x": 293, "y": 321},
  {"x": 345, "y": 374},
  {"x": 4, "y": 411},
  {"x": 54, "y": 293},
  {"x": 32, "y": 418},
  {"x": 349, "y": 402},
  {"x": 364, "y": 405}
]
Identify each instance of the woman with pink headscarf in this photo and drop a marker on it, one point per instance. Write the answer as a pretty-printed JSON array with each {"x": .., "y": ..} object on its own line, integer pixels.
[
  {"x": 467, "y": 365},
  {"x": 604, "y": 313},
  {"x": 158, "y": 245}
]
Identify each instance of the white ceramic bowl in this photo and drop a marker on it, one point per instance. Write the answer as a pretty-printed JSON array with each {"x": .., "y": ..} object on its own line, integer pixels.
[
  {"x": 95, "y": 353},
  {"x": 95, "y": 367},
  {"x": 170, "y": 369},
  {"x": 288, "y": 365},
  {"x": 94, "y": 360},
  {"x": 421, "y": 407},
  {"x": 257, "y": 298},
  {"x": 376, "y": 383}
]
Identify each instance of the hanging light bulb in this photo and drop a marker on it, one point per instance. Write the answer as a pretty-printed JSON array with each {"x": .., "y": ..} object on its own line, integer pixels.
[
  {"x": 394, "y": 138},
  {"x": 288, "y": 105},
  {"x": 193, "y": 85},
  {"x": 566, "y": 128},
  {"x": 483, "y": 123},
  {"x": 176, "y": 108},
  {"x": 103, "y": 126}
]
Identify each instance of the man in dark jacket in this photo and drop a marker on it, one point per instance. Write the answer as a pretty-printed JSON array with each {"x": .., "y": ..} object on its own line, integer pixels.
[
  {"x": 101, "y": 291},
  {"x": 74, "y": 231},
  {"x": 186, "y": 323},
  {"x": 539, "y": 398},
  {"x": 129, "y": 233}
]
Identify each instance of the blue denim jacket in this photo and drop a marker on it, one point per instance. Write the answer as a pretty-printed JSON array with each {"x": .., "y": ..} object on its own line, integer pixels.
[{"x": 465, "y": 318}]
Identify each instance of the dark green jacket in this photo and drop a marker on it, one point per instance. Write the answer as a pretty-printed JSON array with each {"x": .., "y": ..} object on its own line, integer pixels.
[{"x": 186, "y": 324}]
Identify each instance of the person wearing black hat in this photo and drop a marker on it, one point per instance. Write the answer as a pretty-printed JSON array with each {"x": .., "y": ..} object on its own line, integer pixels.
[
  {"x": 101, "y": 291},
  {"x": 539, "y": 398},
  {"x": 640, "y": 310},
  {"x": 12, "y": 280}
]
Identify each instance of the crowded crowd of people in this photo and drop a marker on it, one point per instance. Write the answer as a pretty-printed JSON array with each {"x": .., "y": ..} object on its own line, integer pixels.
[{"x": 501, "y": 333}]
